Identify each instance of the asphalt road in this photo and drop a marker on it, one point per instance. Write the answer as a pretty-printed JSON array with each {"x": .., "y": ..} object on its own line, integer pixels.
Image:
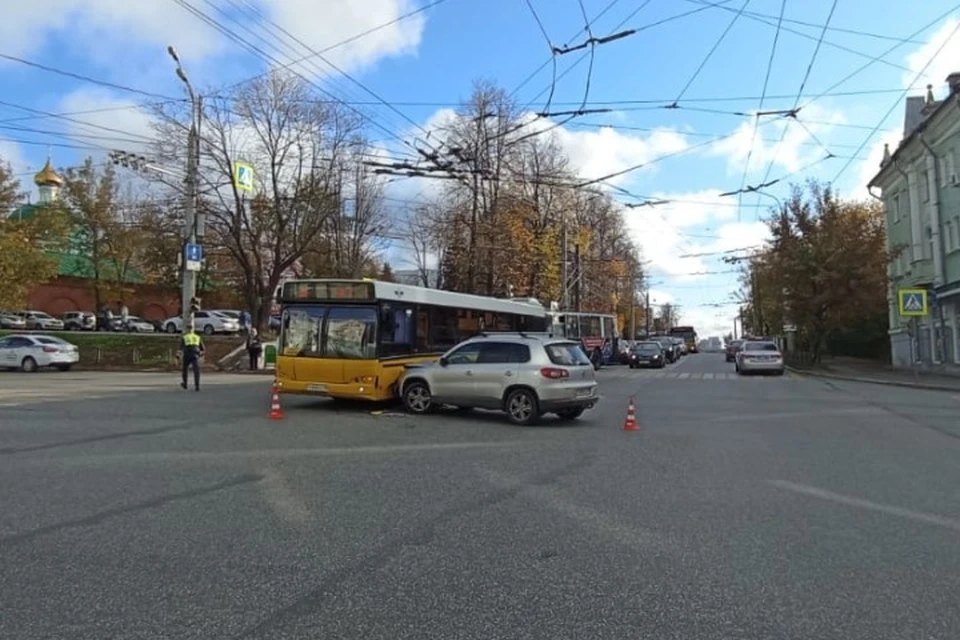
[{"x": 744, "y": 508}]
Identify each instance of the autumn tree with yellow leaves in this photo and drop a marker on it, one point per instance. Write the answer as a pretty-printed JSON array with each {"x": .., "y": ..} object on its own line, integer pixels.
[
  {"x": 27, "y": 246},
  {"x": 825, "y": 271}
]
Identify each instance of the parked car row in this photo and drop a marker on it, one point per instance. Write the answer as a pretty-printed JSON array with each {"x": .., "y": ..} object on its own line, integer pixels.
[{"x": 209, "y": 322}]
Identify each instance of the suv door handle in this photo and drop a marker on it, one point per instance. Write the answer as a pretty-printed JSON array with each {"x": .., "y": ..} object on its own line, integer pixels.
[
  {"x": 469, "y": 373},
  {"x": 508, "y": 373}
]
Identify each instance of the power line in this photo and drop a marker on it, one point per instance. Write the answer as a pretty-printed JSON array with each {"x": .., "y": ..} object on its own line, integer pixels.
[
  {"x": 806, "y": 35},
  {"x": 796, "y": 102},
  {"x": 553, "y": 52},
  {"x": 763, "y": 97},
  {"x": 84, "y": 78},
  {"x": 341, "y": 43},
  {"x": 878, "y": 58},
  {"x": 883, "y": 119},
  {"x": 710, "y": 53}
]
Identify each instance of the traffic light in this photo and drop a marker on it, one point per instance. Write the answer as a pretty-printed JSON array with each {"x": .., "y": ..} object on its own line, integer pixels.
[{"x": 194, "y": 304}]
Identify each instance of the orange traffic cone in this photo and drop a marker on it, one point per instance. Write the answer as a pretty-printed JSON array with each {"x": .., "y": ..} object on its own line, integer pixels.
[
  {"x": 630, "y": 424},
  {"x": 276, "y": 413}
]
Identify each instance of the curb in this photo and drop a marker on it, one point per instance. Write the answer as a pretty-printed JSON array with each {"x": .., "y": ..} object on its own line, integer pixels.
[{"x": 888, "y": 383}]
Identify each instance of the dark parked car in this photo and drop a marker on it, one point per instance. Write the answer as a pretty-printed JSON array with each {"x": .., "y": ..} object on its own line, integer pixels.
[
  {"x": 647, "y": 354},
  {"x": 732, "y": 348}
]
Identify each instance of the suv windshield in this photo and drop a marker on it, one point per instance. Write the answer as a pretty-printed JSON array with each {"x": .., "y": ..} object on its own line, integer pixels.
[
  {"x": 567, "y": 354},
  {"x": 648, "y": 347}
]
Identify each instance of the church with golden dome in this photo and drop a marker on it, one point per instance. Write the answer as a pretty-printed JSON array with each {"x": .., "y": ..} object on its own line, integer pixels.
[{"x": 48, "y": 183}]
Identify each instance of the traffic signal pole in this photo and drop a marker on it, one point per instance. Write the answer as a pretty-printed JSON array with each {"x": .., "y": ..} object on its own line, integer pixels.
[{"x": 188, "y": 291}]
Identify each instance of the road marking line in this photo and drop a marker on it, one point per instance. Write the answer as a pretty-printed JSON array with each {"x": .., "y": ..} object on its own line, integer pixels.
[
  {"x": 806, "y": 415},
  {"x": 900, "y": 512},
  {"x": 214, "y": 456}
]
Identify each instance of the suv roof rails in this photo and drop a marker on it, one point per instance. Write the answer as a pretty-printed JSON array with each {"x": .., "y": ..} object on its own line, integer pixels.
[{"x": 522, "y": 334}]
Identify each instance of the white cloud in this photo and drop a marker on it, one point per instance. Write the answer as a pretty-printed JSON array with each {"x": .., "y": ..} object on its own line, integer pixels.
[
  {"x": 666, "y": 232},
  {"x": 942, "y": 65},
  {"x": 26, "y": 26},
  {"x": 103, "y": 120},
  {"x": 606, "y": 151},
  {"x": 798, "y": 149},
  {"x": 112, "y": 25},
  {"x": 321, "y": 24},
  {"x": 11, "y": 154}
]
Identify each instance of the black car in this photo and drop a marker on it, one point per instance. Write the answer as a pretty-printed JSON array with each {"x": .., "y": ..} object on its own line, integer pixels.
[
  {"x": 647, "y": 354},
  {"x": 670, "y": 350}
]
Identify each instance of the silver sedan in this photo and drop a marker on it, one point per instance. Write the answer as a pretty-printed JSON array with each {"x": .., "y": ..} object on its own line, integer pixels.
[{"x": 759, "y": 357}]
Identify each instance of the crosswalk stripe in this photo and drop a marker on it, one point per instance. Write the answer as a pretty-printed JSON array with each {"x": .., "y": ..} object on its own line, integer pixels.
[{"x": 684, "y": 375}]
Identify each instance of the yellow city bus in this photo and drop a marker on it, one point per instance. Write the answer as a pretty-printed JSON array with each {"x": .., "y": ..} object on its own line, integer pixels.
[
  {"x": 352, "y": 338},
  {"x": 689, "y": 336}
]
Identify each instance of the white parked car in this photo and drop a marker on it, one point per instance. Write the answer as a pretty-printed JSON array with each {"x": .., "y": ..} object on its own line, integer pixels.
[
  {"x": 30, "y": 352},
  {"x": 10, "y": 320},
  {"x": 136, "y": 324},
  {"x": 38, "y": 320},
  {"x": 208, "y": 322}
]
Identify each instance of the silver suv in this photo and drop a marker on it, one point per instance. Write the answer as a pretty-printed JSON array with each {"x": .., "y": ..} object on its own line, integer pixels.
[{"x": 526, "y": 376}]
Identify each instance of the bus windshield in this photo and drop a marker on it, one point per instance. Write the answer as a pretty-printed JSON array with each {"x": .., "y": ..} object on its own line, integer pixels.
[{"x": 326, "y": 331}]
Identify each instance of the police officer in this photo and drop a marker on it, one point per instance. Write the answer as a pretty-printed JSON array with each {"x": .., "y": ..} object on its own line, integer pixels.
[{"x": 192, "y": 349}]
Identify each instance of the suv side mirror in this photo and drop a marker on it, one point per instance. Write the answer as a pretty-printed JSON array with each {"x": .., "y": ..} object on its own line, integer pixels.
[{"x": 443, "y": 361}]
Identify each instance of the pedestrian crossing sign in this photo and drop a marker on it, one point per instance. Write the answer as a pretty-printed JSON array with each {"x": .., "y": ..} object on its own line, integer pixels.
[
  {"x": 913, "y": 302},
  {"x": 243, "y": 176}
]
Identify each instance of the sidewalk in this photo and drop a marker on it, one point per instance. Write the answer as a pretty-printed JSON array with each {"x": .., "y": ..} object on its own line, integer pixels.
[{"x": 875, "y": 372}]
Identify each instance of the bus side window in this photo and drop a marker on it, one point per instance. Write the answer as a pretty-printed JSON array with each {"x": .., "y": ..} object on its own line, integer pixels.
[
  {"x": 609, "y": 328},
  {"x": 422, "y": 339},
  {"x": 396, "y": 330},
  {"x": 573, "y": 326}
]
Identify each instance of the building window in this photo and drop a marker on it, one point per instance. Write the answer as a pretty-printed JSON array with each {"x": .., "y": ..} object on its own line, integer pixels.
[
  {"x": 948, "y": 239},
  {"x": 895, "y": 207},
  {"x": 925, "y": 185},
  {"x": 929, "y": 254}
]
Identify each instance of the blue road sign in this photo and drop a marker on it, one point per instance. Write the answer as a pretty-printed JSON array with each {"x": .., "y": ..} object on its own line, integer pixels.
[
  {"x": 194, "y": 253},
  {"x": 913, "y": 302}
]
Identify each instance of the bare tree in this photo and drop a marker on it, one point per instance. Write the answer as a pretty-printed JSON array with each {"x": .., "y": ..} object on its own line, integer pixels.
[{"x": 296, "y": 145}]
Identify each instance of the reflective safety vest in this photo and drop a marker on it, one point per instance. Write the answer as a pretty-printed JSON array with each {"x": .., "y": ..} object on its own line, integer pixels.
[{"x": 191, "y": 340}]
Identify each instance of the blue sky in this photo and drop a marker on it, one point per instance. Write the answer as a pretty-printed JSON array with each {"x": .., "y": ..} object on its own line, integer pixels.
[{"x": 426, "y": 63}]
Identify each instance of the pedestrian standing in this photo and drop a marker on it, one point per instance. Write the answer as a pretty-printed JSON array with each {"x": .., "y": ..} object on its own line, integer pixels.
[
  {"x": 254, "y": 348},
  {"x": 245, "y": 322},
  {"x": 192, "y": 351}
]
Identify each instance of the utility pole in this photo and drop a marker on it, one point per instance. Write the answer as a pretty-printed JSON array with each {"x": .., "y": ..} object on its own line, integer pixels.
[
  {"x": 633, "y": 310},
  {"x": 189, "y": 285},
  {"x": 565, "y": 276},
  {"x": 646, "y": 313},
  {"x": 578, "y": 277}
]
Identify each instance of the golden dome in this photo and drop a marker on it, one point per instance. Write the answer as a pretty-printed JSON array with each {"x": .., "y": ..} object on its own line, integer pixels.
[{"x": 47, "y": 176}]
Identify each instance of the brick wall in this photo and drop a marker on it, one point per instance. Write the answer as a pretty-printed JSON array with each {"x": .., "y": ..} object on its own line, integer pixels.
[{"x": 147, "y": 301}]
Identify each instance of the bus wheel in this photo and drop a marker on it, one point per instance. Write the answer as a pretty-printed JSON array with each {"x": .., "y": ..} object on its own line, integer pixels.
[{"x": 417, "y": 398}]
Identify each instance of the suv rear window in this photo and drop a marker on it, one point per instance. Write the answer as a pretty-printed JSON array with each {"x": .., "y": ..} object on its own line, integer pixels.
[
  {"x": 567, "y": 354},
  {"x": 760, "y": 346}
]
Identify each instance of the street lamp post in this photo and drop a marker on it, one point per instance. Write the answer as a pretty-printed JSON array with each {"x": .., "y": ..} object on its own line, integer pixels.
[{"x": 190, "y": 217}]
